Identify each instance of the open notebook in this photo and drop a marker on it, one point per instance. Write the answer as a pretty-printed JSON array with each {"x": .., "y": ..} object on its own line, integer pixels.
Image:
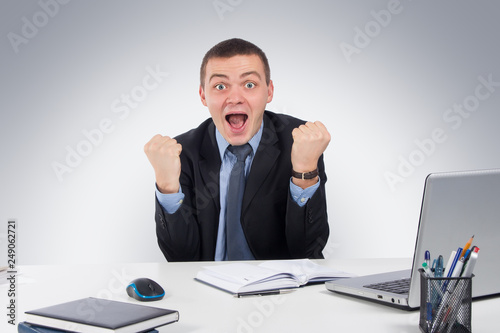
[{"x": 240, "y": 278}]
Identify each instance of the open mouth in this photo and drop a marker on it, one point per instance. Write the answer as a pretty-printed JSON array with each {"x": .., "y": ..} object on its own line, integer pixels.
[{"x": 236, "y": 120}]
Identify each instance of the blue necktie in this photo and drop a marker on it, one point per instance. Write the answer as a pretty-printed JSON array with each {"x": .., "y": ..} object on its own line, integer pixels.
[{"x": 237, "y": 246}]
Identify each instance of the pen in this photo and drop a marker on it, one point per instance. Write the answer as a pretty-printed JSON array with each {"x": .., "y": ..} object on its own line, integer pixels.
[
  {"x": 437, "y": 293},
  {"x": 458, "y": 268},
  {"x": 438, "y": 273},
  {"x": 446, "y": 302},
  {"x": 443, "y": 310},
  {"x": 469, "y": 266},
  {"x": 467, "y": 245},
  {"x": 466, "y": 259},
  {"x": 467, "y": 254},
  {"x": 453, "y": 302},
  {"x": 451, "y": 315},
  {"x": 427, "y": 270},
  {"x": 429, "y": 297},
  {"x": 451, "y": 269},
  {"x": 450, "y": 261},
  {"x": 439, "y": 267},
  {"x": 470, "y": 260},
  {"x": 428, "y": 258},
  {"x": 264, "y": 293},
  {"x": 454, "y": 263}
]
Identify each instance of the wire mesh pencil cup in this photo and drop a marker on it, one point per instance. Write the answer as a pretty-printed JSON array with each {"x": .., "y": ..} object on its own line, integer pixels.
[{"x": 445, "y": 304}]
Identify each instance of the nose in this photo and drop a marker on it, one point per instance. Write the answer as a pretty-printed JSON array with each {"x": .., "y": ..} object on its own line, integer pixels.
[{"x": 235, "y": 96}]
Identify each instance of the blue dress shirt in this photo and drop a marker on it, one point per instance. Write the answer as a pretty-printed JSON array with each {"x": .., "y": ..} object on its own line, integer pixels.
[{"x": 171, "y": 202}]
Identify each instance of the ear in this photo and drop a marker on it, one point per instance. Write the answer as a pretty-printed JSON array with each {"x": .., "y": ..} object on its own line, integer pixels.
[
  {"x": 202, "y": 96},
  {"x": 270, "y": 91}
]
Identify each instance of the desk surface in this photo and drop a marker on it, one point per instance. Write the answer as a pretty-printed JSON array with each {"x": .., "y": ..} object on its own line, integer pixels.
[{"x": 206, "y": 309}]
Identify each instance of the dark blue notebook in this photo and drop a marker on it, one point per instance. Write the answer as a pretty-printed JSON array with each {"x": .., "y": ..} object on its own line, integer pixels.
[{"x": 101, "y": 316}]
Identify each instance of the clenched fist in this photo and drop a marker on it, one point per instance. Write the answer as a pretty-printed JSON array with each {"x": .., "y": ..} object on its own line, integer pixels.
[
  {"x": 164, "y": 153},
  {"x": 309, "y": 142}
]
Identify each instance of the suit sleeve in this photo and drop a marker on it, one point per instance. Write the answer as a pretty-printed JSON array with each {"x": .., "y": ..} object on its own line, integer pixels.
[
  {"x": 307, "y": 228},
  {"x": 178, "y": 233}
]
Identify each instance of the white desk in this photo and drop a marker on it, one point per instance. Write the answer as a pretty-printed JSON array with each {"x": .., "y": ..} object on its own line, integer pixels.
[{"x": 206, "y": 309}]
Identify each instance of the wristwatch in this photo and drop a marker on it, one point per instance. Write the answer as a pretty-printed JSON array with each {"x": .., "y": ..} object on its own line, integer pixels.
[{"x": 305, "y": 175}]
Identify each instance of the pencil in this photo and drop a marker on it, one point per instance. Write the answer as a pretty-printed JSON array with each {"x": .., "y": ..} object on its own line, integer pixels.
[{"x": 467, "y": 245}]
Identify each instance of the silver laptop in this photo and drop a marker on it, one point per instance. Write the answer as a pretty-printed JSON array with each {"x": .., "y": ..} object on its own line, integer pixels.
[{"x": 455, "y": 206}]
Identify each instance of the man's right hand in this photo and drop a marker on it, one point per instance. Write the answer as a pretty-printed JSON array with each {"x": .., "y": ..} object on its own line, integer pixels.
[{"x": 164, "y": 153}]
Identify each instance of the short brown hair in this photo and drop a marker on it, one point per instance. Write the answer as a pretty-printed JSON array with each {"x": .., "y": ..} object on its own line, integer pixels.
[{"x": 230, "y": 48}]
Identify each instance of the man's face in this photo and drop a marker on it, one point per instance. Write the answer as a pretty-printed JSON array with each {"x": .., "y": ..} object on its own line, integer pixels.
[{"x": 236, "y": 95}]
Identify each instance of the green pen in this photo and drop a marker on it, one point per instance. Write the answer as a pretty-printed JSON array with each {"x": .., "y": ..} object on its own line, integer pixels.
[{"x": 427, "y": 270}]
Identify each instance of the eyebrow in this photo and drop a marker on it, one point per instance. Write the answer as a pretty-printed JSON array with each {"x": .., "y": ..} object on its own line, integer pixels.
[
  {"x": 250, "y": 73},
  {"x": 218, "y": 75},
  {"x": 224, "y": 76}
]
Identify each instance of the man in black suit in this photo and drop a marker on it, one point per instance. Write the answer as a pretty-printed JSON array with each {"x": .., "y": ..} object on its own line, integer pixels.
[{"x": 283, "y": 212}]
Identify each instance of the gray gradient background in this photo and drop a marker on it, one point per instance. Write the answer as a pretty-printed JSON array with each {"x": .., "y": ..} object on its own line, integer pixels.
[{"x": 395, "y": 91}]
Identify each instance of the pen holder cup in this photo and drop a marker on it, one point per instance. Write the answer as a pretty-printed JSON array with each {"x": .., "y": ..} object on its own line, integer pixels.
[{"x": 445, "y": 304}]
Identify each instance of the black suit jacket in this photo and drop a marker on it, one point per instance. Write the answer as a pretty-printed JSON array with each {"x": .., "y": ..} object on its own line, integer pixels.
[{"x": 274, "y": 225}]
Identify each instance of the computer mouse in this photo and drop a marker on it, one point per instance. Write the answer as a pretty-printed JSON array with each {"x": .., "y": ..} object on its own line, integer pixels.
[{"x": 145, "y": 290}]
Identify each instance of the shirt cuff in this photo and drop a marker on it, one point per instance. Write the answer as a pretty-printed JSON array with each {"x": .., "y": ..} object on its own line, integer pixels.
[
  {"x": 301, "y": 196},
  {"x": 170, "y": 202}
]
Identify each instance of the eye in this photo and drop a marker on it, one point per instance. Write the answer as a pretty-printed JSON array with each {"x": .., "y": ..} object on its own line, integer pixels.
[
  {"x": 250, "y": 85},
  {"x": 220, "y": 86}
]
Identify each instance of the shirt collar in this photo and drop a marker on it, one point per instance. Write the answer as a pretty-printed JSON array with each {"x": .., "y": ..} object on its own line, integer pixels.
[{"x": 223, "y": 144}]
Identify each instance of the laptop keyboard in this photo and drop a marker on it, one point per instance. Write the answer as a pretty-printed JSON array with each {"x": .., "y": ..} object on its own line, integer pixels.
[{"x": 401, "y": 286}]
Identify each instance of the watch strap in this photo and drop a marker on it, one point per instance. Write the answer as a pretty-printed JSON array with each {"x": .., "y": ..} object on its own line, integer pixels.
[{"x": 305, "y": 175}]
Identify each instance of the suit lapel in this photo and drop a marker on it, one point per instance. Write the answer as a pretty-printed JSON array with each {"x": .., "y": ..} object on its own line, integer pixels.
[
  {"x": 264, "y": 160},
  {"x": 209, "y": 165}
]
